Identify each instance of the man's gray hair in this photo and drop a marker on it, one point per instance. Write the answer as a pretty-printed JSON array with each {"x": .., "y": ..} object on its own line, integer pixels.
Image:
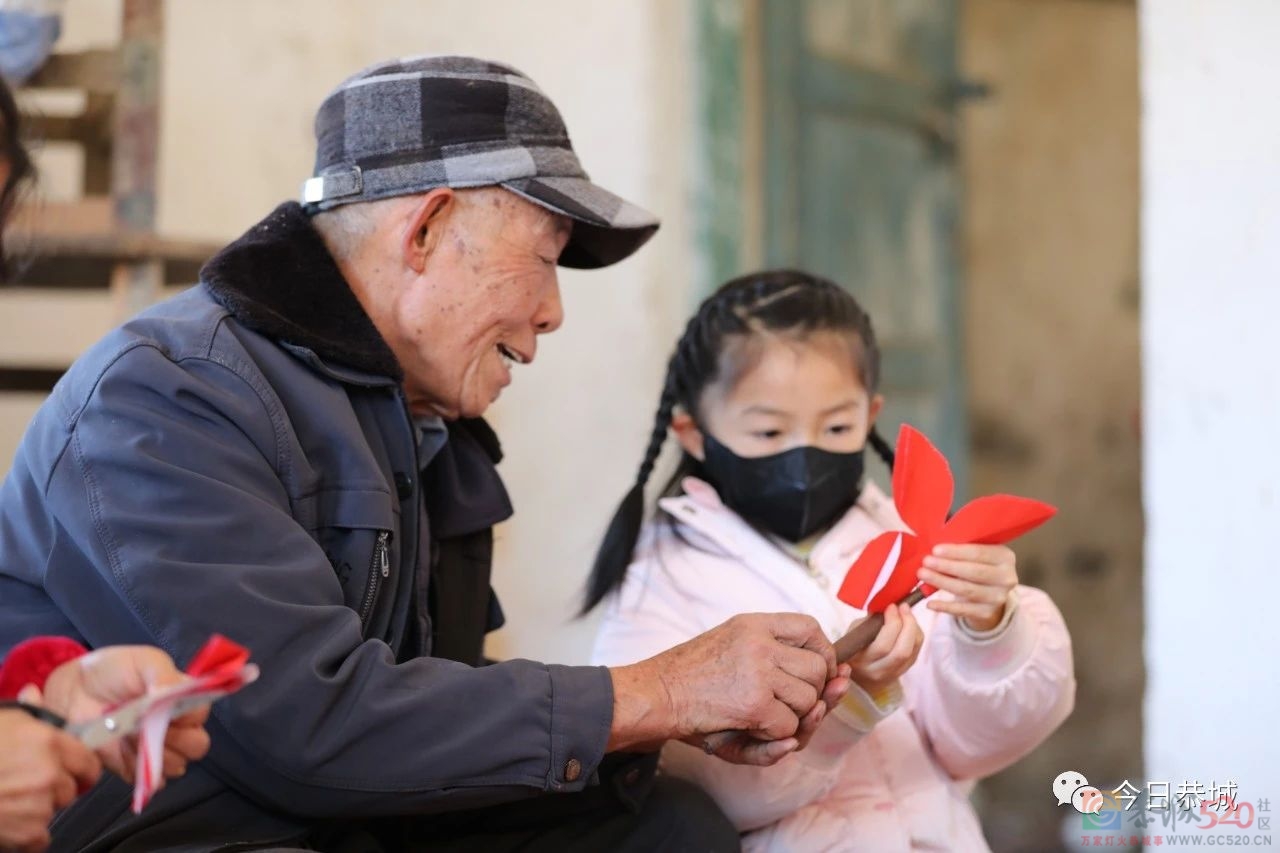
[{"x": 346, "y": 227}]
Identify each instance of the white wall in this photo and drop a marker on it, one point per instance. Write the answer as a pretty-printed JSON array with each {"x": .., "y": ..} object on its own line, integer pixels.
[
  {"x": 242, "y": 80},
  {"x": 1211, "y": 299}
]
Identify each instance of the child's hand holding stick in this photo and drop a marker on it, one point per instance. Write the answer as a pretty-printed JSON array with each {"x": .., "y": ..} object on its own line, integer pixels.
[{"x": 859, "y": 636}]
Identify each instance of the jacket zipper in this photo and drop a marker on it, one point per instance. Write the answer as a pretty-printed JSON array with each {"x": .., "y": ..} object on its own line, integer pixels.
[{"x": 379, "y": 567}]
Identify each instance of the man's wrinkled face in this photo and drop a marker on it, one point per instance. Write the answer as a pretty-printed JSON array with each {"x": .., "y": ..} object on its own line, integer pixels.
[{"x": 473, "y": 315}]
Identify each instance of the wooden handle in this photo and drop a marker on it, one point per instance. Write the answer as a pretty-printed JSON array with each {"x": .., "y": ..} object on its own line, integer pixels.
[
  {"x": 858, "y": 637},
  {"x": 711, "y": 744}
]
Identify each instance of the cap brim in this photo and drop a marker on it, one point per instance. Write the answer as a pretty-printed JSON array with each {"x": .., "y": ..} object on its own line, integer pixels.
[{"x": 606, "y": 229}]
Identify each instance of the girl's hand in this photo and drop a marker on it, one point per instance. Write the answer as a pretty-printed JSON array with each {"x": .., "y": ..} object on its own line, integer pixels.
[
  {"x": 891, "y": 653},
  {"x": 979, "y": 576}
]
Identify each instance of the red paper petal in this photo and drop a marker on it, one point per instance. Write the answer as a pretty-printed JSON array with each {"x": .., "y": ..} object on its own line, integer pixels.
[
  {"x": 922, "y": 484},
  {"x": 904, "y": 577},
  {"x": 995, "y": 519},
  {"x": 864, "y": 571},
  {"x": 217, "y": 655}
]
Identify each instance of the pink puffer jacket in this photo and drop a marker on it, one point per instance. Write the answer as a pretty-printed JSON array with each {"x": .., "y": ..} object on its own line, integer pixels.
[{"x": 887, "y": 773}]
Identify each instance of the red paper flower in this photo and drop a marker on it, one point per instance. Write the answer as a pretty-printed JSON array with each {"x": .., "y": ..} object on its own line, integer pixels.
[
  {"x": 922, "y": 491},
  {"x": 219, "y": 661},
  {"x": 218, "y": 668},
  {"x": 33, "y": 661}
]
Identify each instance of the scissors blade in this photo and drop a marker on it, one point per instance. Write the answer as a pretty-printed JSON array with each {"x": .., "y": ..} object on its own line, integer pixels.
[{"x": 119, "y": 723}]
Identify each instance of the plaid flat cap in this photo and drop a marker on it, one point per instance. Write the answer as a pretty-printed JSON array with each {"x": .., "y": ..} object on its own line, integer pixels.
[{"x": 412, "y": 125}]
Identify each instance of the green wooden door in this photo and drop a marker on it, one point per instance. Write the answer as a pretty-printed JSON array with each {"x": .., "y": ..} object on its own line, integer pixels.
[{"x": 855, "y": 165}]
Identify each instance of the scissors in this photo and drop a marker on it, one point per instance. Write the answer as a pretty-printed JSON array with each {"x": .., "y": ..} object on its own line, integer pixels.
[{"x": 127, "y": 719}]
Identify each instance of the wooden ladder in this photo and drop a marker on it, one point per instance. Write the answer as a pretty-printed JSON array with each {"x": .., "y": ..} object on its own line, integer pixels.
[{"x": 105, "y": 238}]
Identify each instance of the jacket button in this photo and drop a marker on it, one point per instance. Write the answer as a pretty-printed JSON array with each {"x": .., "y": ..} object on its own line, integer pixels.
[
  {"x": 404, "y": 485},
  {"x": 572, "y": 770}
]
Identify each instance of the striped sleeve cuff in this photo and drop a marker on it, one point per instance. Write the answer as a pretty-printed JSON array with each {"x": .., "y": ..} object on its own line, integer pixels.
[
  {"x": 849, "y": 722},
  {"x": 861, "y": 709}
]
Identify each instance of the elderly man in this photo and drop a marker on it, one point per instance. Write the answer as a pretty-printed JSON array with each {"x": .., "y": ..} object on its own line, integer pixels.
[{"x": 292, "y": 454}]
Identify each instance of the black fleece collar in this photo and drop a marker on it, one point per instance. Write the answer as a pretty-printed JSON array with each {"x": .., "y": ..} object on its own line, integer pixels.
[{"x": 280, "y": 280}]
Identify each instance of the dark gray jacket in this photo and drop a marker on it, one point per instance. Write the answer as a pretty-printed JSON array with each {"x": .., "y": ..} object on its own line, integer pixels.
[{"x": 240, "y": 459}]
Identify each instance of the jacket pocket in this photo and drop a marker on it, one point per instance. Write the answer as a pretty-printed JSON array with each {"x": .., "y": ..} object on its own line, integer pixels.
[{"x": 357, "y": 531}]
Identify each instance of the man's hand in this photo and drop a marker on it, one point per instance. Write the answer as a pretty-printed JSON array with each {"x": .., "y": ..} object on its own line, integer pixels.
[
  {"x": 749, "y": 749},
  {"x": 41, "y": 771},
  {"x": 88, "y": 686},
  {"x": 773, "y": 676}
]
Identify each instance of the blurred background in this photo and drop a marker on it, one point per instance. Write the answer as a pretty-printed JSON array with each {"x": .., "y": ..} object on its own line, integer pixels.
[{"x": 1061, "y": 215}]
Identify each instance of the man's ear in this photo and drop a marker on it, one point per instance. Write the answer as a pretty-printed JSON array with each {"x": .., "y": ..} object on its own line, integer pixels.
[
  {"x": 688, "y": 434},
  {"x": 424, "y": 226}
]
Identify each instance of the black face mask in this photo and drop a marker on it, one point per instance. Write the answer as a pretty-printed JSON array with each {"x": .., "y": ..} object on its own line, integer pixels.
[{"x": 791, "y": 494}]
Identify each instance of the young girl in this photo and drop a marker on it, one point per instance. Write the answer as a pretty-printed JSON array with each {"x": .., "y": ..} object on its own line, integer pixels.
[{"x": 771, "y": 393}]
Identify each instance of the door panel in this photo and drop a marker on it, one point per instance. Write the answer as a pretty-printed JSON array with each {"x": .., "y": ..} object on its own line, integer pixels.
[{"x": 860, "y": 184}]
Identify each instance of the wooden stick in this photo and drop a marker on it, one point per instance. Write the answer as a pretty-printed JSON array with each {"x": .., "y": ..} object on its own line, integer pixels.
[
  {"x": 862, "y": 632},
  {"x": 858, "y": 637}
]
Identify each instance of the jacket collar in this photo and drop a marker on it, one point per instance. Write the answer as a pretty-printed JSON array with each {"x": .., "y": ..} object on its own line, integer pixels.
[
  {"x": 280, "y": 280},
  {"x": 701, "y": 512},
  {"x": 701, "y": 509}
]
